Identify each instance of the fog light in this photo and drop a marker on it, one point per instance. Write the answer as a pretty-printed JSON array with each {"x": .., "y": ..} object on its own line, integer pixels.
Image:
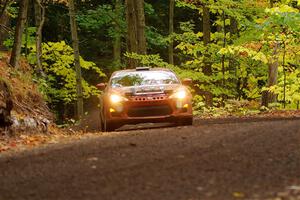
[
  {"x": 119, "y": 108},
  {"x": 112, "y": 110}
]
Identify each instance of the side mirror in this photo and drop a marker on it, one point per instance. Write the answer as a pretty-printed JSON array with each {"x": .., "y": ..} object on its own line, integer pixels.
[
  {"x": 187, "y": 81},
  {"x": 101, "y": 86}
]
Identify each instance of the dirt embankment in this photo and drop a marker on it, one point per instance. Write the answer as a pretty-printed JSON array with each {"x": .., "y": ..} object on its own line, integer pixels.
[{"x": 22, "y": 106}]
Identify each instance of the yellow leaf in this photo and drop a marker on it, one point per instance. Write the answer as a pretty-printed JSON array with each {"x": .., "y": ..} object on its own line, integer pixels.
[
  {"x": 223, "y": 51},
  {"x": 238, "y": 195}
]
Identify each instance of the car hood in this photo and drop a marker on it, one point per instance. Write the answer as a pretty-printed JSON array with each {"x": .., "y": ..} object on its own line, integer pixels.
[{"x": 147, "y": 90}]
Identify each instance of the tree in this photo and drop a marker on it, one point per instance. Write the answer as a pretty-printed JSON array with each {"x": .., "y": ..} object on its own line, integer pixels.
[
  {"x": 132, "y": 41},
  {"x": 105, "y": 24},
  {"x": 141, "y": 24},
  {"x": 281, "y": 25},
  {"x": 267, "y": 96},
  {"x": 22, "y": 17},
  {"x": 3, "y": 6},
  {"x": 117, "y": 38},
  {"x": 39, "y": 23},
  {"x": 232, "y": 49},
  {"x": 76, "y": 59},
  {"x": 4, "y": 21},
  {"x": 136, "y": 40},
  {"x": 171, "y": 30},
  {"x": 206, "y": 40}
]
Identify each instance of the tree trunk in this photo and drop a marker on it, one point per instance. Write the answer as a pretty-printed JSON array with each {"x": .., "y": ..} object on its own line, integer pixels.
[
  {"x": 75, "y": 42},
  {"x": 4, "y": 28},
  {"x": 136, "y": 39},
  {"x": 22, "y": 17},
  {"x": 206, "y": 40},
  {"x": 132, "y": 42},
  {"x": 233, "y": 26},
  {"x": 141, "y": 25},
  {"x": 224, "y": 45},
  {"x": 206, "y": 25},
  {"x": 269, "y": 97},
  {"x": 117, "y": 39},
  {"x": 39, "y": 10},
  {"x": 171, "y": 30}
]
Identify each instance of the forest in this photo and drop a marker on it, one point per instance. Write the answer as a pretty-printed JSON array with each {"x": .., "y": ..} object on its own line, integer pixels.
[{"x": 243, "y": 56}]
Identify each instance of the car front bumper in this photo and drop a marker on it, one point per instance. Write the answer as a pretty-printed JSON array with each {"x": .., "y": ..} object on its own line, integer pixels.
[{"x": 153, "y": 109}]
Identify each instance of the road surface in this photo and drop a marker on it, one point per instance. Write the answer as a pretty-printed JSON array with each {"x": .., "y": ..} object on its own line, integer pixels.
[{"x": 217, "y": 161}]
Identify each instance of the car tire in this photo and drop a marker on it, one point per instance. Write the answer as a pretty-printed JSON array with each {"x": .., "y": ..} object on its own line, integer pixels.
[
  {"x": 188, "y": 121},
  {"x": 110, "y": 127},
  {"x": 184, "y": 121},
  {"x": 101, "y": 116},
  {"x": 101, "y": 124},
  {"x": 107, "y": 126}
]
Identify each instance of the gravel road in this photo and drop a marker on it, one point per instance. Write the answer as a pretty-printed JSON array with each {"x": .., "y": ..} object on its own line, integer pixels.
[{"x": 216, "y": 161}]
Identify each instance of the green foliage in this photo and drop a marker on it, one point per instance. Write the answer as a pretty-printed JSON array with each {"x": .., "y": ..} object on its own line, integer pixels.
[
  {"x": 154, "y": 38},
  {"x": 279, "y": 26},
  {"x": 292, "y": 87},
  {"x": 232, "y": 67},
  {"x": 245, "y": 58},
  {"x": 149, "y": 10},
  {"x": 195, "y": 56},
  {"x": 59, "y": 84},
  {"x": 103, "y": 17},
  {"x": 155, "y": 60},
  {"x": 27, "y": 39},
  {"x": 9, "y": 42},
  {"x": 244, "y": 61},
  {"x": 12, "y": 9},
  {"x": 184, "y": 4},
  {"x": 231, "y": 108}
]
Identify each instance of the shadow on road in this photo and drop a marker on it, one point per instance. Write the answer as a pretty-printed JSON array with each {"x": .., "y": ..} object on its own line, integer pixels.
[{"x": 145, "y": 126}]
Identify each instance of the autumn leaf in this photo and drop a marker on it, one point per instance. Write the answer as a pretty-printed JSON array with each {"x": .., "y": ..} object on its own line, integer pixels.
[{"x": 238, "y": 195}]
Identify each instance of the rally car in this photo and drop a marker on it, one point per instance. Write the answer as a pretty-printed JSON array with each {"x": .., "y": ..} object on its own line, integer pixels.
[{"x": 144, "y": 95}]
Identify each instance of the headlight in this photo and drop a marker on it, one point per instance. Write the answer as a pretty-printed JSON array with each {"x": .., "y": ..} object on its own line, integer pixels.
[
  {"x": 181, "y": 94},
  {"x": 115, "y": 98}
]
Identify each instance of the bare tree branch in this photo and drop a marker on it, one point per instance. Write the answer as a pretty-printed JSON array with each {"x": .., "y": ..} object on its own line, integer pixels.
[{"x": 4, "y": 7}]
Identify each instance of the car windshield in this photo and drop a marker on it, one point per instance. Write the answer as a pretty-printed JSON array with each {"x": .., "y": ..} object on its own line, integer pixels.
[{"x": 140, "y": 78}]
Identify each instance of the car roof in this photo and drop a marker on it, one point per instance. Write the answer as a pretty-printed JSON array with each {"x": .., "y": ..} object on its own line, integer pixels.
[{"x": 142, "y": 69}]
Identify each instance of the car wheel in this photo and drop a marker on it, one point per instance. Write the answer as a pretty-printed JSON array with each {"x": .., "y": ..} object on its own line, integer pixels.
[
  {"x": 188, "y": 121},
  {"x": 101, "y": 124},
  {"x": 107, "y": 126},
  {"x": 185, "y": 121},
  {"x": 101, "y": 116},
  {"x": 110, "y": 126}
]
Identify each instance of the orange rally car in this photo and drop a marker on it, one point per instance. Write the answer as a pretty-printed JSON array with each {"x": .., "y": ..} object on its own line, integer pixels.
[{"x": 144, "y": 95}]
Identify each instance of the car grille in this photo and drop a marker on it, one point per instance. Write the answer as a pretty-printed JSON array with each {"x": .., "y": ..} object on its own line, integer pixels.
[
  {"x": 149, "y": 98},
  {"x": 149, "y": 111}
]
